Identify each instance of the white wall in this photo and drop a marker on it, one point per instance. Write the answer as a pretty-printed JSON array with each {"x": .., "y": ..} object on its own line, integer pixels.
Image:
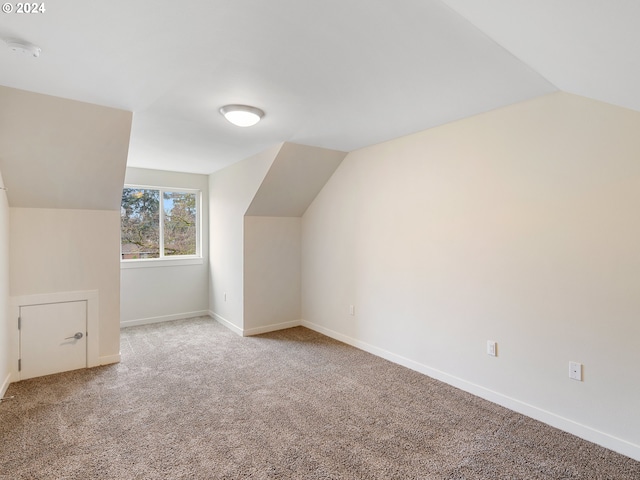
[
  {"x": 520, "y": 226},
  {"x": 231, "y": 191},
  {"x": 58, "y": 250},
  {"x": 256, "y": 207},
  {"x": 272, "y": 248},
  {"x": 5, "y": 325},
  {"x": 167, "y": 292},
  {"x": 63, "y": 162}
]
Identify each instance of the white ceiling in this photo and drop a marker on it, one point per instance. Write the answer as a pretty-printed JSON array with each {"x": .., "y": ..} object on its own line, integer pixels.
[
  {"x": 586, "y": 47},
  {"x": 339, "y": 74}
]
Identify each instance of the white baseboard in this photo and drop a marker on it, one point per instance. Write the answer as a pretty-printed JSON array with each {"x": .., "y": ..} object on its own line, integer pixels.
[
  {"x": 163, "y": 318},
  {"x": 256, "y": 330},
  {"x": 109, "y": 359},
  {"x": 5, "y": 385},
  {"x": 583, "y": 431},
  {"x": 226, "y": 323},
  {"x": 271, "y": 328}
]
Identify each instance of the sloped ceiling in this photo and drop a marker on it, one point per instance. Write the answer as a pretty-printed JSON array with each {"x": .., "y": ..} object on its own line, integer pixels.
[
  {"x": 296, "y": 176},
  {"x": 57, "y": 153},
  {"x": 337, "y": 74},
  {"x": 586, "y": 47}
]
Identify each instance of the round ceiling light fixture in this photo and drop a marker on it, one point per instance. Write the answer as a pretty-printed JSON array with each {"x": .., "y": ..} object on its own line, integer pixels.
[
  {"x": 242, "y": 115},
  {"x": 19, "y": 46}
]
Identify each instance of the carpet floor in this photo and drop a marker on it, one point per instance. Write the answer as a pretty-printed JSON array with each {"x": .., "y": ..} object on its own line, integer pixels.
[{"x": 192, "y": 400}]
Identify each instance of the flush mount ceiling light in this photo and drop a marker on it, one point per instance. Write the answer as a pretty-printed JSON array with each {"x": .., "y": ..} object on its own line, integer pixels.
[
  {"x": 19, "y": 46},
  {"x": 242, "y": 115}
]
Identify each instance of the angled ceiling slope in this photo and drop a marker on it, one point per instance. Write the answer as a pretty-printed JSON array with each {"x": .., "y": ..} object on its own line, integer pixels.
[
  {"x": 58, "y": 153},
  {"x": 337, "y": 74},
  {"x": 585, "y": 47},
  {"x": 295, "y": 177}
]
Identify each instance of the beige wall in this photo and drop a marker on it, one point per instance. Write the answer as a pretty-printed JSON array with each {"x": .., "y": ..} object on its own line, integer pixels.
[
  {"x": 271, "y": 273},
  {"x": 520, "y": 226},
  {"x": 296, "y": 176},
  {"x": 56, "y": 250},
  {"x": 231, "y": 191},
  {"x": 168, "y": 291},
  {"x": 5, "y": 325},
  {"x": 255, "y": 245},
  {"x": 63, "y": 162},
  {"x": 50, "y": 146}
]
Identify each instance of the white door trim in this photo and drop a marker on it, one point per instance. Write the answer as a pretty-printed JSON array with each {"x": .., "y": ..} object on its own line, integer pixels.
[{"x": 93, "y": 343}]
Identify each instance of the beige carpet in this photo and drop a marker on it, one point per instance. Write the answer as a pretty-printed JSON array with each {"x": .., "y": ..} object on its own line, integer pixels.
[{"x": 191, "y": 400}]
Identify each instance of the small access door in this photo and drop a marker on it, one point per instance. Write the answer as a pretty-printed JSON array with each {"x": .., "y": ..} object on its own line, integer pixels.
[{"x": 53, "y": 338}]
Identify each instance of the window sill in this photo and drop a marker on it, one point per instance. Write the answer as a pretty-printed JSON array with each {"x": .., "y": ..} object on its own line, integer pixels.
[{"x": 161, "y": 262}]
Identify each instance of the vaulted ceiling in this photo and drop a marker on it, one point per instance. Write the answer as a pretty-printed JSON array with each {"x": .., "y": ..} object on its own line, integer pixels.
[{"x": 339, "y": 74}]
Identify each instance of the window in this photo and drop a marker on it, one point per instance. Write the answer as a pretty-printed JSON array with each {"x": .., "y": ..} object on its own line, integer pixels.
[{"x": 159, "y": 223}]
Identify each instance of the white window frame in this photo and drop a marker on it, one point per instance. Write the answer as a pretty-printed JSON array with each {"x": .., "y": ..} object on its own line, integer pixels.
[{"x": 173, "y": 260}]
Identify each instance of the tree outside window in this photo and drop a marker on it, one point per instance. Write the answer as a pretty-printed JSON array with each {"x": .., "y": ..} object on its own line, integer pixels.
[
  {"x": 147, "y": 231},
  {"x": 179, "y": 223}
]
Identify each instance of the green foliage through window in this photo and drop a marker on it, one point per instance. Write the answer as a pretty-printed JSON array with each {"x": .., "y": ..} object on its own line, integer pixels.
[
  {"x": 142, "y": 221},
  {"x": 179, "y": 223}
]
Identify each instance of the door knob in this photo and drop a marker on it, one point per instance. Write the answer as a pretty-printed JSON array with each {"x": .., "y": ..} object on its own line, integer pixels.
[{"x": 77, "y": 336}]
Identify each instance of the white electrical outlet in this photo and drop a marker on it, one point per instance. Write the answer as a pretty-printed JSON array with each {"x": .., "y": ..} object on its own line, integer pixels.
[
  {"x": 492, "y": 348},
  {"x": 575, "y": 371},
  {"x": 352, "y": 310}
]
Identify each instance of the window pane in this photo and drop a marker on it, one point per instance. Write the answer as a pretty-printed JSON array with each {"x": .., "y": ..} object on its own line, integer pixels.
[
  {"x": 140, "y": 223},
  {"x": 179, "y": 223}
]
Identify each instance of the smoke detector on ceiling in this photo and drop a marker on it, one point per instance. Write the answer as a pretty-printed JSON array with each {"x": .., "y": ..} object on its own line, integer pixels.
[{"x": 23, "y": 47}]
